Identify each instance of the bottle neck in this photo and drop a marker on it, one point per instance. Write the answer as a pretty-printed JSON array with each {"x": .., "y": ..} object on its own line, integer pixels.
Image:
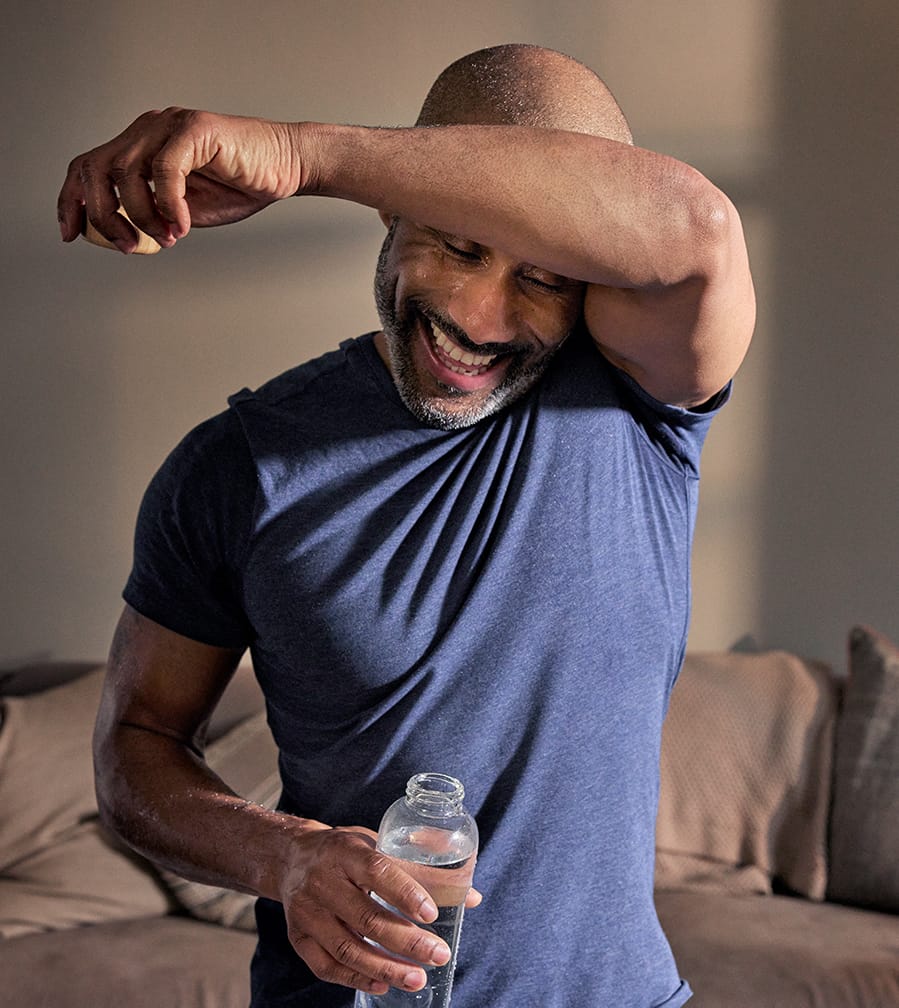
[{"x": 434, "y": 794}]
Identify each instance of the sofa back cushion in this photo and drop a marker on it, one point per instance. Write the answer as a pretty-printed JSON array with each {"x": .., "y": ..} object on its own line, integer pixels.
[
  {"x": 865, "y": 821},
  {"x": 745, "y": 774},
  {"x": 59, "y": 868}
]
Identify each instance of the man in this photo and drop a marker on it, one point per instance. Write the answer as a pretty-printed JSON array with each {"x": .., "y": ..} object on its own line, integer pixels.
[{"x": 460, "y": 544}]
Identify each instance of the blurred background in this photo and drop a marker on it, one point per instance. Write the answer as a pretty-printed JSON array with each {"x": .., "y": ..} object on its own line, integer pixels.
[{"x": 788, "y": 105}]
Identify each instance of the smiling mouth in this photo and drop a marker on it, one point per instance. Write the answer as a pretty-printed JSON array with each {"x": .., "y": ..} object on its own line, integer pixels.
[{"x": 455, "y": 359}]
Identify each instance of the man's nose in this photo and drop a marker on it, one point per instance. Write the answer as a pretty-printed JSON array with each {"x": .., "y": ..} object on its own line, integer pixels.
[{"x": 485, "y": 307}]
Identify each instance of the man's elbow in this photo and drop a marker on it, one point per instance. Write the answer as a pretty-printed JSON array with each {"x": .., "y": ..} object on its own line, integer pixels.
[{"x": 715, "y": 231}]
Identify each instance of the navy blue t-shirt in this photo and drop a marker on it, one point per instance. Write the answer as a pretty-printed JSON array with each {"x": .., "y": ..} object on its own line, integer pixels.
[{"x": 506, "y": 603}]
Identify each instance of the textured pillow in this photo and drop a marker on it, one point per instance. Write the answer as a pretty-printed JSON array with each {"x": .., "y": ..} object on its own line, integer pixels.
[
  {"x": 745, "y": 774},
  {"x": 246, "y": 758},
  {"x": 58, "y": 866},
  {"x": 865, "y": 819}
]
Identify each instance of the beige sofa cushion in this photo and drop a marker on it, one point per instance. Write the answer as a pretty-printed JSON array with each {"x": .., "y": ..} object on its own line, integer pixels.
[
  {"x": 781, "y": 952},
  {"x": 865, "y": 821},
  {"x": 59, "y": 868},
  {"x": 745, "y": 774}
]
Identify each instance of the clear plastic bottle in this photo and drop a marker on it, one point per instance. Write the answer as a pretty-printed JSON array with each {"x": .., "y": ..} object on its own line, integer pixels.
[{"x": 430, "y": 829}]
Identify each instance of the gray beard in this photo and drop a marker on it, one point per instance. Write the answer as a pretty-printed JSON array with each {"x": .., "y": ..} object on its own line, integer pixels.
[{"x": 428, "y": 410}]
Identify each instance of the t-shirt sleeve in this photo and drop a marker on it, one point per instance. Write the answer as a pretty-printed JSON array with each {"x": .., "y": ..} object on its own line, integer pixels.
[
  {"x": 676, "y": 431},
  {"x": 191, "y": 534}
]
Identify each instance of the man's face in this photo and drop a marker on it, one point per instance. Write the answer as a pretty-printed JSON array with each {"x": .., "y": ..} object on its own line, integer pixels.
[{"x": 466, "y": 329}]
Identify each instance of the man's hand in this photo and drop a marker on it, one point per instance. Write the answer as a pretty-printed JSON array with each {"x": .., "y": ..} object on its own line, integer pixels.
[
  {"x": 329, "y": 912},
  {"x": 176, "y": 169}
]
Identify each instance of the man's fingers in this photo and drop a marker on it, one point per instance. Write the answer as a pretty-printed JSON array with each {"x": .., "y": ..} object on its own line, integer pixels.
[
  {"x": 385, "y": 877},
  {"x": 145, "y": 244},
  {"x": 70, "y": 205},
  {"x": 344, "y": 934},
  {"x": 338, "y": 954},
  {"x": 371, "y": 871},
  {"x": 139, "y": 203},
  {"x": 120, "y": 174},
  {"x": 342, "y": 889},
  {"x": 370, "y": 919}
]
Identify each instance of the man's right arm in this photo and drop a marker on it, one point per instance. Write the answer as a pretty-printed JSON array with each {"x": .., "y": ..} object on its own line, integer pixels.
[
  {"x": 669, "y": 297},
  {"x": 155, "y": 790}
]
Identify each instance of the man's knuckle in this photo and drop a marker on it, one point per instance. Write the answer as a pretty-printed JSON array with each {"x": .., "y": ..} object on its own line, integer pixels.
[
  {"x": 162, "y": 166},
  {"x": 315, "y": 887},
  {"x": 348, "y": 952},
  {"x": 319, "y": 962},
  {"x": 120, "y": 168},
  {"x": 298, "y": 938},
  {"x": 421, "y": 948},
  {"x": 86, "y": 167},
  {"x": 299, "y": 909},
  {"x": 371, "y": 922},
  {"x": 380, "y": 866}
]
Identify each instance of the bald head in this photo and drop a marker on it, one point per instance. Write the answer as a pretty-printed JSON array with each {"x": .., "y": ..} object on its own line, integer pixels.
[{"x": 524, "y": 85}]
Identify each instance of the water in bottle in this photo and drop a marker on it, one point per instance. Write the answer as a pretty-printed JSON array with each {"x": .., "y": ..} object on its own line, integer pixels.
[{"x": 430, "y": 830}]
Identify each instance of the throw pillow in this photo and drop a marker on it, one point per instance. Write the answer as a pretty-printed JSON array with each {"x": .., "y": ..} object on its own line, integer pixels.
[
  {"x": 745, "y": 774},
  {"x": 865, "y": 820},
  {"x": 58, "y": 866},
  {"x": 246, "y": 758}
]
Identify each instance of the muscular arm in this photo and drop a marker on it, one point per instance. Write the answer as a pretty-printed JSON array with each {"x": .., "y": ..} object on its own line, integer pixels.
[
  {"x": 670, "y": 296},
  {"x": 159, "y": 691},
  {"x": 156, "y": 791}
]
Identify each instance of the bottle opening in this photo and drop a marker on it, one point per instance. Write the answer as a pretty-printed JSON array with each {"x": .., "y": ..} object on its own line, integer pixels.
[{"x": 435, "y": 791}]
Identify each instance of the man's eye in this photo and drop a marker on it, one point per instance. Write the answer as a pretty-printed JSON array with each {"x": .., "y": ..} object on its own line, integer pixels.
[
  {"x": 460, "y": 253},
  {"x": 543, "y": 284}
]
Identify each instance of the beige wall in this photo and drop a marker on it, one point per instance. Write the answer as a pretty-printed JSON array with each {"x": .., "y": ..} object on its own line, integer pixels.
[{"x": 108, "y": 361}]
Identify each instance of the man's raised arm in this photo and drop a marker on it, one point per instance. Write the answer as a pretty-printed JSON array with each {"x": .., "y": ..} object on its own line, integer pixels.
[{"x": 670, "y": 297}]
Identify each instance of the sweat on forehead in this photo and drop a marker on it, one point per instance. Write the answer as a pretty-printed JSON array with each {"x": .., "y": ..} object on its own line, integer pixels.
[{"x": 527, "y": 85}]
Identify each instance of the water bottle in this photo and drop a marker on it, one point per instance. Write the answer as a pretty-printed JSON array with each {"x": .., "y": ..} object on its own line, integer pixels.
[{"x": 430, "y": 830}]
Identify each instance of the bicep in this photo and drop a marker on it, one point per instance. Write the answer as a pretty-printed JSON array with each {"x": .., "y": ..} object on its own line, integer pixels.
[
  {"x": 161, "y": 681},
  {"x": 684, "y": 341}
]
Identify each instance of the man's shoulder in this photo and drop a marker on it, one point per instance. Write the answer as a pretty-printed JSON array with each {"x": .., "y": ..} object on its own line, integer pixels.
[{"x": 324, "y": 375}]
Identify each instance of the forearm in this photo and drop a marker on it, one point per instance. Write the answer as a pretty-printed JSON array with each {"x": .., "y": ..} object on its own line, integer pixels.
[
  {"x": 575, "y": 204},
  {"x": 578, "y": 205},
  {"x": 164, "y": 801}
]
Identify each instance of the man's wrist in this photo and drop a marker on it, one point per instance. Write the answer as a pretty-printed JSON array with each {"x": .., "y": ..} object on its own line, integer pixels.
[{"x": 311, "y": 149}]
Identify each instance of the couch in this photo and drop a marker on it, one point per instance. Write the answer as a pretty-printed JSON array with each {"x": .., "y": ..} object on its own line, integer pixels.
[
  {"x": 777, "y": 877},
  {"x": 777, "y": 841}
]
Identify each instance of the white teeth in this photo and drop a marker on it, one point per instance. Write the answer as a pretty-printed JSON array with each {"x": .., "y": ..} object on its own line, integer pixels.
[{"x": 452, "y": 350}]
